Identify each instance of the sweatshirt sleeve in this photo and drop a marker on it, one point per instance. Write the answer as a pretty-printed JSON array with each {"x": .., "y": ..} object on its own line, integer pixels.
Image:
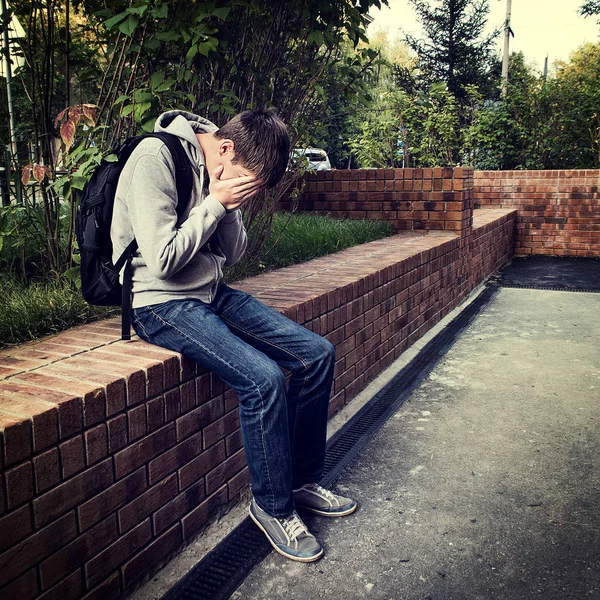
[
  {"x": 152, "y": 200},
  {"x": 231, "y": 237}
]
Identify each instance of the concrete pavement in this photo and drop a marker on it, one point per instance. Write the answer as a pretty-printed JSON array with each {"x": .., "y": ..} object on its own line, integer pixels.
[{"x": 484, "y": 485}]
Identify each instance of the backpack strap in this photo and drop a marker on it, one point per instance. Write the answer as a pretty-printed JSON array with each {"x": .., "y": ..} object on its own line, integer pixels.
[{"x": 183, "y": 182}]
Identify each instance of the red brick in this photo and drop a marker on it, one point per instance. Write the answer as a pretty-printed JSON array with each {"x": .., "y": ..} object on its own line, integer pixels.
[
  {"x": 221, "y": 428},
  {"x": 111, "y": 498},
  {"x": 144, "y": 450},
  {"x": 178, "y": 507},
  {"x": 108, "y": 589},
  {"x": 195, "y": 520},
  {"x": 231, "y": 400},
  {"x": 70, "y": 588},
  {"x": 14, "y": 527},
  {"x": 24, "y": 587},
  {"x": 187, "y": 396},
  {"x": 225, "y": 471},
  {"x": 198, "y": 418},
  {"x": 94, "y": 400},
  {"x": 96, "y": 444},
  {"x": 117, "y": 433},
  {"x": 20, "y": 401},
  {"x": 202, "y": 464},
  {"x": 19, "y": 484},
  {"x": 74, "y": 370},
  {"x": 152, "y": 369},
  {"x": 77, "y": 552},
  {"x": 118, "y": 552},
  {"x": 15, "y": 438},
  {"x": 147, "y": 503},
  {"x": 72, "y": 492},
  {"x": 150, "y": 558},
  {"x": 173, "y": 459},
  {"x": 238, "y": 483},
  {"x": 46, "y": 467},
  {"x": 72, "y": 457},
  {"x": 33, "y": 549},
  {"x": 234, "y": 442},
  {"x": 136, "y": 422},
  {"x": 155, "y": 415}
]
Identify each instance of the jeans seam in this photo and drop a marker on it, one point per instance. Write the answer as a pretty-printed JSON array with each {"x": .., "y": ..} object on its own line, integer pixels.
[
  {"x": 140, "y": 323},
  {"x": 262, "y": 429},
  {"x": 266, "y": 341},
  {"x": 299, "y": 358}
]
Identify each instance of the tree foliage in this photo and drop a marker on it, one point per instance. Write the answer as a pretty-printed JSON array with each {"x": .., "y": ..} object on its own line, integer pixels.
[
  {"x": 132, "y": 60},
  {"x": 453, "y": 49}
]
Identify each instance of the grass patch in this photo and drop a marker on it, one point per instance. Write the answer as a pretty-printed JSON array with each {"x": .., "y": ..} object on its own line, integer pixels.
[
  {"x": 304, "y": 237},
  {"x": 29, "y": 311}
]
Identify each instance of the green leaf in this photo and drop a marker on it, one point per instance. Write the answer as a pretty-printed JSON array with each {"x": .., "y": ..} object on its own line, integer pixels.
[
  {"x": 111, "y": 158},
  {"x": 315, "y": 37},
  {"x": 140, "y": 110},
  {"x": 120, "y": 100},
  {"x": 137, "y": 10},
  {"x": 149, "y": 125},
  {"x": 128, "y": 27},
  {"x": 161, "y": 12},
  {"x": 142, "y": 95},
  {"x": 126, "y": 110},
  {"x": 205, "y": 48},
  {"x": 168, "y": 36},
  {"x": 115, "y": 20},
  {"x": 222, "y": 13},
  {"x": 156, "y": 79},
  {"x": 152, "y": 44},
  {"x": 191, "y": 53},
  {"x": 167, "y": 85},
  {"x": 73, "y": 274},
  {"x": 78, "y": 182}
]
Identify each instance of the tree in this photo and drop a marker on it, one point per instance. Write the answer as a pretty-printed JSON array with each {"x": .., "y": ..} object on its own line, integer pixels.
[
  {"x": 589, "y": 8},
  {"x": 215, "y": 58},
  {"x": 454, "y": 50}
]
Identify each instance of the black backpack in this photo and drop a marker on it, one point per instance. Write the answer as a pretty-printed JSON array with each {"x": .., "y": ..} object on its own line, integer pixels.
[{"x": 99, "y": 276}]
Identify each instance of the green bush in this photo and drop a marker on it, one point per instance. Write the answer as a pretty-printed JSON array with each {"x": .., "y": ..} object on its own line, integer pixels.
[{"x": 28, "y": 311}]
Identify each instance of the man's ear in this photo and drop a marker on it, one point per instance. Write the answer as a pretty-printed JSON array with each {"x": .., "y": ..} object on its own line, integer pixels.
[{"x": 226, "y": 147}]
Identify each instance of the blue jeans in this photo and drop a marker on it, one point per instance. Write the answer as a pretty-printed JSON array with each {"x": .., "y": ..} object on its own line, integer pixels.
[{"x": 245, "y": 343}]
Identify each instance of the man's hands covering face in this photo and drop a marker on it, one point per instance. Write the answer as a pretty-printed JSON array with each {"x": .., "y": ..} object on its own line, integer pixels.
[{"x": 233, "y": 193}]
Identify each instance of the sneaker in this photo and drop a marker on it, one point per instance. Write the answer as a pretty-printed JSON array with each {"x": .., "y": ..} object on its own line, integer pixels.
[
  {"x": 289, "y": 535},
  {"x": 317, "y": 499}
]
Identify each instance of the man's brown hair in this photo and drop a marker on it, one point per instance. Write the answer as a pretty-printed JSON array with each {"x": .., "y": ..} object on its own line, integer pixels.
[{"x": 261, "y": 143}]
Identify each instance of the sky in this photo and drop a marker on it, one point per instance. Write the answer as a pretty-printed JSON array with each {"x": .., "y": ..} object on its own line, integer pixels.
[{"x": 541, "y": 27}]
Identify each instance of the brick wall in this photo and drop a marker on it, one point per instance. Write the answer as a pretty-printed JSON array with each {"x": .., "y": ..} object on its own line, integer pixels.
[
  {"x": 558, "y": 211},
  {"x": 114, "y": 455},
  {"x": 413, "y": 199}
]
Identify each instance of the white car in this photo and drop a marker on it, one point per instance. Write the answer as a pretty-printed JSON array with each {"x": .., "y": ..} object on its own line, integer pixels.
[{"x": 317, "y": 158}]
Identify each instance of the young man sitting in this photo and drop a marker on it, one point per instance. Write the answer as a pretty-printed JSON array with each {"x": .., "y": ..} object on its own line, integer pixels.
[{"x": 180, "y": 303}]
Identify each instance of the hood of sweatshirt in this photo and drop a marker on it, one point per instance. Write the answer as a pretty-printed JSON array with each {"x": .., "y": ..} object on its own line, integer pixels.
[{"x": 186, "y": 125}]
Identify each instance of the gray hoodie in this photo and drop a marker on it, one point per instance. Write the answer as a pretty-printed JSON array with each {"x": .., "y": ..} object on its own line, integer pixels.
[{"x": 172, "y": 261}]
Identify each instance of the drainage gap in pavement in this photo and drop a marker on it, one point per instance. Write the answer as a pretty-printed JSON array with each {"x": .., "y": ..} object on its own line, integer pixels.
[
  {"x": 223, "y": 570},
  {"x": 559, "y": 273}
]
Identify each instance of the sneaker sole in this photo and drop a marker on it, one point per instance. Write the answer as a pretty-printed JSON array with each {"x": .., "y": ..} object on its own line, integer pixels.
[
  {"x": 323, "y": 513},
  {"x": 282, "y": 552}
]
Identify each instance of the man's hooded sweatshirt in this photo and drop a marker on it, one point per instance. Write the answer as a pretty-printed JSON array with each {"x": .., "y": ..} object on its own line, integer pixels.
[{"x": 173, "y": 260}]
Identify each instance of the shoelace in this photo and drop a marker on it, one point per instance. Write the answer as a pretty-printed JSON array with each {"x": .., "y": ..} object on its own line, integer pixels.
[
  {"x": 293, "y": 526},
  {"x": 324, "y": 492}
]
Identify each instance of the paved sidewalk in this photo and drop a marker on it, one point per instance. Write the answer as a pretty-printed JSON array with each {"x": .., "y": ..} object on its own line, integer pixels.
[{"x": 485, "y": 484}]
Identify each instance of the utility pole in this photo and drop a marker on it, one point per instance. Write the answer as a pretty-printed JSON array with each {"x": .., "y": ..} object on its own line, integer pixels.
[
  {"x": 8, "y": 75},
  {"x": 507, "y": 33}
]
